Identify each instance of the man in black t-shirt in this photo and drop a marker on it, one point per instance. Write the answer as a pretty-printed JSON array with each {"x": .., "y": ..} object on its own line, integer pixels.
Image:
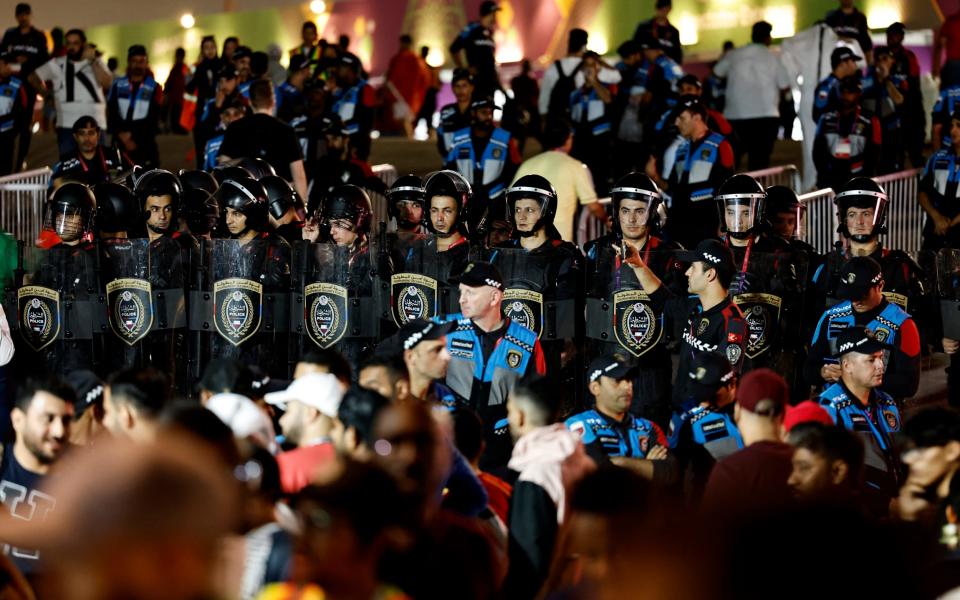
[{"x": 263, "y": 135}]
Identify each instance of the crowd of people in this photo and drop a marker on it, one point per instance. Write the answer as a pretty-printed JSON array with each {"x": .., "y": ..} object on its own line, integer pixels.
[{"x": 231, "y": 382}]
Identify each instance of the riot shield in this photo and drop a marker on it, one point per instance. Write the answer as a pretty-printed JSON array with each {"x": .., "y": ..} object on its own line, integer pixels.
[
  {"x": 143, "y": 286},
  {"x": 948, "y": 289},
  {"x": 619, "y": 311},
  {"x": 420, "y": 286},
  {"x": 335, "y": 299},
  {"x": 54, "y": 310},
  {"x": 770, "y": 295},
  {"x": 239, "y": 303},
  {"x": 532, "y": 298}
]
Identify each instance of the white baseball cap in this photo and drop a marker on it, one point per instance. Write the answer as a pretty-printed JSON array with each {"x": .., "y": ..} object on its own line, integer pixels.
[{"x": 321, "y": 391}]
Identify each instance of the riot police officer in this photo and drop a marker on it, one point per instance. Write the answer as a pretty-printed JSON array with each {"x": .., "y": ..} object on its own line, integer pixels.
[
  {"x": 57, "y": 314},
  {"x": 543, "y": 274},
  {"x": 199, "y": 214},
  {"x": 118, "y": 212},
  {"x": 287, "y": 211},
  {"x": 405, "y": 204},
  {"x": 159, "y": 194},
  {"x": 634, "y": 329},
  {"x": 787, "y": 218},
  {"x": 337, "y": 166},
  {"x": 246, "y": 279}
]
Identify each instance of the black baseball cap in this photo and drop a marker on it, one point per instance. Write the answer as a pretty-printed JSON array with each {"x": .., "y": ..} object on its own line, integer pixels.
[
  {"x": 851, "y": 84},
  {"x": 711, "y": 252},
  {"x": 88, "y": 388},
  {"x": 488, "y": 7},
  {"x": 242, "y": 52},
  {"x": 479, "y": 274},
  {"x": 461, "y": 73},
  {"x": 857, "y": 277},
  {"x": 858, "y": 339},
  {"x": 841, "y": 54},
  {"x": 649, "y": 42},
  {"x": 227, "y": 72},
  {"x": 413, "y": 332},
  {"x": 897, "y": 27},
  {"x": 332, "y": 124},
  {"x": 609, "y": 366},
  {"x": 297, "y": 62},
  {"x": 349, "y": 60},
  {"x": 483, "y": 102},
  {"x": 708, "y": 373}
]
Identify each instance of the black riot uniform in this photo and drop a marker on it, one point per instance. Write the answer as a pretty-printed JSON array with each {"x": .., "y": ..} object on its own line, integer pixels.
[
  {"x": 284, "y": 203},
  {"x": 199, "y": 212},
  {"x": 57, "y": 315},
  {"x": 336, "y": 167},
  {"x": 421, "y": 285},
  {"x": 335, "y": 304},
  {"x": 620, "y": 319},
  {"x": 543, "y": 286},
  {"x": 407, "y": 189},
  {"x": 768, "y": 284},
  {"x": 241, "y": 308}
]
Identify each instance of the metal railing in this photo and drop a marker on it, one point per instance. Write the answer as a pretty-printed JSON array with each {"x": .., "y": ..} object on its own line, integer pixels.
[
  {"x": 22, "y": 197},
  {"x": 388, "y": 174},
  {"x": 820, "y": 230}
]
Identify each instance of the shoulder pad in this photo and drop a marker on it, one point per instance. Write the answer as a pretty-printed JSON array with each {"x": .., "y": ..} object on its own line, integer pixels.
[{"x": 901, "y": 256}]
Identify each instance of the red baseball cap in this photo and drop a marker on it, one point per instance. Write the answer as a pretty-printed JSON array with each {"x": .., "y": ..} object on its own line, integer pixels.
[
  {"x": 807, "y": 411},
  {"x": 759, "y": 385}
]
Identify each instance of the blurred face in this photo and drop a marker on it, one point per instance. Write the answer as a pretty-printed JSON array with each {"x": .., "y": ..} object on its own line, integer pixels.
[
  {"x": 73, "y": 44},
  {"x": 864, "y": 370},
  {"x": 476, "y": 302},
  {"x": 342, "y": 232},
  {"x": 846, "y": 68},
  {"x": 613, "y": 396},
  {"x": 160, "y": 211},
  {"x": 236, "y": 221},
  {"x": 291, "y": 423},
  {"x": 137, "y": 66},
  {"x": 928, "y": 466},
  {"x": 329, "y": 542},
  {"x": 408, "y": 447},
  {"x": 589, "y": 67},
  {"x": 737, "y": 217},
  {"x": 209, "y": 49},
  {"x": 227, "y": 85},
  {"x": 894, "y": 39},
  {"x": 463, "y": 90},
  {"x": 686, "y": 123},
  {"x": 860, "y": 220},
  {"x": 24, "y": 20},
  {"x": 87, "y": 139},
  {"x": 884, "y": 62},
  {"x": 243, "y": 66},
  {"x": 228, "y": 48},
  {"x": 955, "y": 132},
  {"x": 443, "y": 213},
  {"x": 309, "y": 35},
  {"x": 410, "y": 211},
  {"x": 378, "y": 379},
  {"x": 526, "y": 213},
  {"x": 849, "y": 99},
  {"x": 45, "y": 427},
  {"x": 688, "y": 89},
  {"x": 514, "y": 419},
  {"x": 230, "y": 115},
  {"x": 429, "y": 359},
  {"x": 810, "y": 478},
  {"x": 483, "y": 117},
  {"x": 633, "y": 216},
  {"x": 870, "y": 301},
  {"x": 698, "y": 278},
  {"x": 785, "y": 224},
  {"x": 69, "y": 225},
  {"x": 589, "y": 542}
]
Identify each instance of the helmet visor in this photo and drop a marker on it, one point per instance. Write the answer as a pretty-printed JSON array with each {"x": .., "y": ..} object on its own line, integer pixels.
[
  {"x": 863, "y": 214},
  {"x": 633, "y": 216},
  {"x": 739, "y": 213},
  {"x": 791, "y": 222},
  {"x": 65, "y": 220}
]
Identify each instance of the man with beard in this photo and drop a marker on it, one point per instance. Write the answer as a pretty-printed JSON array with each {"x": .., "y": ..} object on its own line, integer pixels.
[
  {"x": 405, "y": 204},
  {"x": 133, "y": 110},
  {"x": 487, "y": 156},
  {"x": 353, "y": 101},
  {"x": 286, "y": 208},
  {"x": 456, "y": 115},
  {"x": 79, "y": 79},
  {"x": 90, "y": 163},
  {"x": 41, "y": 416},
  {"x": 847, "y": 142}
]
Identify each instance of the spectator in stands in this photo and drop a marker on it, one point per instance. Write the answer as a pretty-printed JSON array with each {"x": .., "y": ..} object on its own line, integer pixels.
[
  {"x": 660, "y": 28},
  {"x": 570, "y": 177},
  {"x": 755, "y": 79},
  {"x": 173, "y": 89},
  {"x": 407, "y": 81},
  {"x": 826, "y": 466}
]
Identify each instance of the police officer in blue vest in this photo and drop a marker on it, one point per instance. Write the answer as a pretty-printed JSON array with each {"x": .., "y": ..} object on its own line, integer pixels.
[
  {"x": 14, "y": 111},
  {"x": 940, "y": 193},
  {"x": 701, "y": 164},
  {"x": 291, "y": 100},
  {"x": 232, "y": 110},
  {"x": 133, "y": 110},
  {"x": 610, "y": 434},
  {"x": 456, "y": 115},
  {"x": 353, "y": 101},
  {"x": 476, "y": 42},
  {"x": 487, "y": 156},
  {"x": 591, "y": 108},
  {"x": 209, "y": 115},
  {"x": 848, "y": 139},
  {"x": 488, "y": 355},
  {"x": 861, "y": 288},
  {"x": 857, "y": 403},
  {"x": 826, "y": 96},
  {"x": 703, "y": 431}
]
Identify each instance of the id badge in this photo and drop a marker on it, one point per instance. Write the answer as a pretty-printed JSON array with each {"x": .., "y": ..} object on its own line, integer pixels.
[{"x": 842, "y": 149}]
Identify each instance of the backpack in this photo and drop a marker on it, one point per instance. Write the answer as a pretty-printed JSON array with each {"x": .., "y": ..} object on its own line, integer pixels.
[{"x": 560, "y": 94}]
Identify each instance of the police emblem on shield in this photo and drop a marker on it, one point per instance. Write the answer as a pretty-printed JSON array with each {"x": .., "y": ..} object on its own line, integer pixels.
[
  {"x": 892, "y": 423},
  {"x": 130, "y": 309},
  {"x": 237, "y": 309},
  {"x": 525, "y": 307},
  {"x": 412, "y": 296},
  {"x": 39, "y": 317},
  {"x": 636, "y": 327},
  {"x": 326, "y": 314},
  {"x": 762, "y": 314}
]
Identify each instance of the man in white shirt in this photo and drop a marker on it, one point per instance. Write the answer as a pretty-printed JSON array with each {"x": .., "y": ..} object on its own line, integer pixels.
[
  {"x": 569, "y": 65},
  {"x": 755, "y": 79},
  {"x": 570, "y": 177},
  {"x": 78, "y": 83}
]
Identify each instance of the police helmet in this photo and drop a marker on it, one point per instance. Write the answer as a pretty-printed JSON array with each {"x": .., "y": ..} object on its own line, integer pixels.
[
  {"x": 69, "y": 200},
  {"x": 781, "y": 200},
  {"x": 247, "y": 196},
  {"x": 117, "y": 208},
  {"x": 537, "y": 188},
  {"x": 158, "y": 182},
  {"x": 638, "y": 186},
  {"x": 742, "y": 191},
  {"x": 350, "y": 203},
  {"x": 280, "y": 195},
  {"x": 864, "y": 193},
  {"x": 452, "y": 184},
  {"x": 408, "y": 188},
  {"x": 197, "y": 179},
  {"x": 224, "y": 172},
  {"x": 257, "y": 167},
  {"x": 201, "y": 211}
]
